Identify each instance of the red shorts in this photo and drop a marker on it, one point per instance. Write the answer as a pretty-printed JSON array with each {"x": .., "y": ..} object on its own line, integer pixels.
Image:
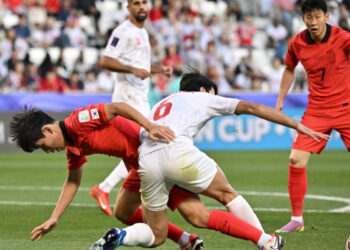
[
  {"x": 177, "y": 195},
  {"x": 324, "y": 123}
]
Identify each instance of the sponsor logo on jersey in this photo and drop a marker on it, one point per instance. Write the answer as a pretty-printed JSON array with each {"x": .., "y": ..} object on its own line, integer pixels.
[
  {"x": 138, "y": 41},
  {"x": 115, "y": 41},
  {"x": 94, "y": 114},
  {"x": 84, "y": 116}
]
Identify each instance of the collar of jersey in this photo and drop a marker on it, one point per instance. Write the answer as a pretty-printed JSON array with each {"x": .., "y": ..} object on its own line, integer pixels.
[
  {"x": 65, "y": 133},
  {"x": 324, "y": 39}
]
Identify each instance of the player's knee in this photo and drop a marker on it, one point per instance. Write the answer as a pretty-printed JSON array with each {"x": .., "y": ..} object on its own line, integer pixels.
[
  {"x": 160, "y": 238},
  {"x": 293, "y": 161},
  {"x": 121, "y": 217}
]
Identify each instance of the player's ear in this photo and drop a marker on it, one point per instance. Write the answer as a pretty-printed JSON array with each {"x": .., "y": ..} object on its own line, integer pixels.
[
  {"x": 326, "y": 16},
  {"x": 47, "y": 129}
]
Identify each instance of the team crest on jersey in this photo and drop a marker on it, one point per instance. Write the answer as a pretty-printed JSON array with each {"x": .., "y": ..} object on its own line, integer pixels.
[
  {"x": 331, "y": 56},
  {"x": 94, "y": 114},
  {"x": 138, "y": 41},
  {"x": 84, "y": 116},
  {"x": 115, "y": 41}
]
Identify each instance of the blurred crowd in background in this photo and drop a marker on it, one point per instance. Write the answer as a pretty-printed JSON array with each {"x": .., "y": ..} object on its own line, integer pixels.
[{"x": 54, "y": 45}]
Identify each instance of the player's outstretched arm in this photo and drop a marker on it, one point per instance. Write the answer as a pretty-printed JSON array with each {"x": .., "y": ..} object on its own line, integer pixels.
[
  {"x": 123, "y": 109},
  {"x": 270, "y": 114},
  {"x": 286, "y": 82},
  {"x": 68, "y": 192}
]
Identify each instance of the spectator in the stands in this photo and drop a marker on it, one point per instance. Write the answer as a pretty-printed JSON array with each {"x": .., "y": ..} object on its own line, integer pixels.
[
  {"x": 276, "y": 33},
  {"x": 38, "y": 36},
  {"x": 76, "y": 36},
  {"x": 22, "y": 28},
  {"x": 106, "y": 80},
  {"x": 274, "y": 76},
  {"x": 172, "y": 57},
  {"x": 53, "y": 83},
  {"x": 246, "y": 32},
  {"x": 90, "y": 82},
  {"x": 75, "y": 83}
]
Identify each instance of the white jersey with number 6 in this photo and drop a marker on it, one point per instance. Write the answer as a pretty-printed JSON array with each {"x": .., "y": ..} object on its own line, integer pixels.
[{"x": 185, "y": 113}]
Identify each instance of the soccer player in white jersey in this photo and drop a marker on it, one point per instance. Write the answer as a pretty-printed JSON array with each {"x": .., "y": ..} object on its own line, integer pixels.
[
  {"x": 163, "y": 165},
  {"x": 128, "y": 53}
]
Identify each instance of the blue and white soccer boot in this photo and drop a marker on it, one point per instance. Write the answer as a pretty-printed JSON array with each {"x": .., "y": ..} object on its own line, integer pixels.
[{"x": 112, "y": 239}]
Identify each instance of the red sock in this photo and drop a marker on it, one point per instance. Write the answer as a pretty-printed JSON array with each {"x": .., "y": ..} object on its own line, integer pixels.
[
  {"x": 297, "y": 185},
  {"x": 136, "y": 217},
  {"x": 174, "y": 232},
  {"x": 229, "y": 224}
]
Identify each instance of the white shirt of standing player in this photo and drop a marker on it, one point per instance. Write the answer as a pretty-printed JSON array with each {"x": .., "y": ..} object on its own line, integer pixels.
[
  {"x": 185, "y": 113},
  {"x": 130, "y": 46}
]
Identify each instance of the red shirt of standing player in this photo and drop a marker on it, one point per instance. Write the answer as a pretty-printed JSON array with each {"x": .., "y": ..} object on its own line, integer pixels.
[{"x": 323, "y": 50}]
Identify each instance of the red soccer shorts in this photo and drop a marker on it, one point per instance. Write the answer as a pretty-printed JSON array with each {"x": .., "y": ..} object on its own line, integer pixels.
[
  {"x": 324, "y": 123},
  {"x": 177, "y": 195}
]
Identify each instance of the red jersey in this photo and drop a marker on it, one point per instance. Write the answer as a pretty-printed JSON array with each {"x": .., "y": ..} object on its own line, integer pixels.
[
  {"x": 88, "y": 131},
  {"x": 327, "y": 67}
]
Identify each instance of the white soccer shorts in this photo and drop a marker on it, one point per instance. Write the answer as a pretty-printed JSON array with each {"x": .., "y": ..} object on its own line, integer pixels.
[{"x": 179, "y": 163}]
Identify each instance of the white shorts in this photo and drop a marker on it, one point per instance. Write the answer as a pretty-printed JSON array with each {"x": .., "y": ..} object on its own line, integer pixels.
[{"x": 180, "y": 163}]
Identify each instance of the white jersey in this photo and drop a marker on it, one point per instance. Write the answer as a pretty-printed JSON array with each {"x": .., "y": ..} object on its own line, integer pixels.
[
  {"x": 130, "y": 46},
  {"x": 185, "y": 113}
]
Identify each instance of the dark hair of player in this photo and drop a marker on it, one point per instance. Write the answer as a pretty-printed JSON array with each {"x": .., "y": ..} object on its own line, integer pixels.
[
  {"x": 26, "y": 127},
  {"x": 193, "y": 81},
  {"x": 310, "y": 5}
]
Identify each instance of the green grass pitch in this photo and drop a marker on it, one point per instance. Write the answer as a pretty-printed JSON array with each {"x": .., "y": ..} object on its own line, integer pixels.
[{"x": 30, "y": 185}]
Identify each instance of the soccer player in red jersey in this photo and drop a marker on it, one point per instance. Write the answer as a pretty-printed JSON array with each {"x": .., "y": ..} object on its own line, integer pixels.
[
  {"x": 323, "y": 50},
  {"x": 88, "y": 131}
]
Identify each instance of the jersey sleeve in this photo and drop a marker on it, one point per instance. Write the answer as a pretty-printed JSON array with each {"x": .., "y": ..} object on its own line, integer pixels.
[
  {"x": 346, "y": 43},
  {"x": 74, "y": 158},
  {"x": 220, "y": 106},
  {"x": 89, "y": 118},
  {"x": 117, "y": 43},
  {"x": 291, "y": 59}
]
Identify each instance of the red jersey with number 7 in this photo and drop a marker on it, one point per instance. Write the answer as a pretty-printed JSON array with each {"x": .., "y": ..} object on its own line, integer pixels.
[{"x": 327, "y": 66}]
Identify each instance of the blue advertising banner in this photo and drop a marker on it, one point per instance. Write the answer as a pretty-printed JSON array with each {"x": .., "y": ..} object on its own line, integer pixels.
[
  {"x": 247, "y": 132},
  {"x": 224, "y": 133}
]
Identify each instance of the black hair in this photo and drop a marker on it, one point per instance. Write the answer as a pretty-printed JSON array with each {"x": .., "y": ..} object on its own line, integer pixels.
[
  {"x": 193, "y": 81},
  {"x": 309, "y": 5},
  {"x": 26, "y": 127}
]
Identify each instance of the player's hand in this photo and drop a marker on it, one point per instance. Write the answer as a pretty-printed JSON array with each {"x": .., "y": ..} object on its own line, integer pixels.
[
  {"x": 313, "y": 134},
  {"x": 166, "y": 70},
  {"x": 141, "y": 73},
  {"x": 279, "y": 106},
  {"x": 156, "y": 133},
  {"x": 43, "y": 229}
]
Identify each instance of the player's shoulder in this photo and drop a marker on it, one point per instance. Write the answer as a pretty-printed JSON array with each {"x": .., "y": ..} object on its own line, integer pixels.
[
  {"x": 300, "y": 37},
  {"x": 85, "y": 114},
  {"x": 124, "y": 27}
]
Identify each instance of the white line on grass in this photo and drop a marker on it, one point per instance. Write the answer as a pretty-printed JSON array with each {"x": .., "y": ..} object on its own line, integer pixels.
[{"x": 345, "y": 209}]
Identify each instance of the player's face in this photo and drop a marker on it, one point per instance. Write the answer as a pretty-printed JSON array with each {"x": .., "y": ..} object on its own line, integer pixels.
[
  {"x": 53, "y": 141},
  {"x": 138, "y": 10},
  {"x": 315, "y": 21}
]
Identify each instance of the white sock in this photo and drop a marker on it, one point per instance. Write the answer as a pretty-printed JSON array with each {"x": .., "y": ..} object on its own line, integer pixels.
[
  {"x": 263, "y": 239},
  {"x": 185, "y": 237},
  {"x": 240, "y": 208},
  {"x": 120, "y": 172},
  {"x": 297, "y": 218},
  {"x": 139, "y": 234}
]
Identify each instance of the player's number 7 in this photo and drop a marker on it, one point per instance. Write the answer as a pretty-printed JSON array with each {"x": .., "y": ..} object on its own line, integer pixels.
[{"x": 163, "y": 110}]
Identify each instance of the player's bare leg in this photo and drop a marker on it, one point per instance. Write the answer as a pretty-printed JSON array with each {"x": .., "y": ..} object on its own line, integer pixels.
[
  {"x": 101, "y": 192},
  {"x": 127, "y": 209},
  {"x": 297, "y": 186}
]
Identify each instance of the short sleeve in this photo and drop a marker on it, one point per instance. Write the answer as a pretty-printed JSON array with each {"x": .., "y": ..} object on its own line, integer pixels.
[
  {"x": 74, "y": 158},
  {"x": 117, "y": 43},
  {"x": 291, "y": 59},
  {"x": 218, "y": 105},
  {"x": 88, "y": 118}
]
